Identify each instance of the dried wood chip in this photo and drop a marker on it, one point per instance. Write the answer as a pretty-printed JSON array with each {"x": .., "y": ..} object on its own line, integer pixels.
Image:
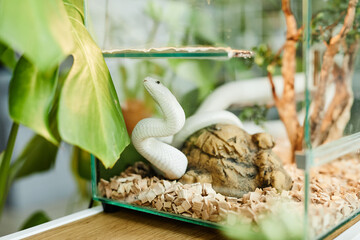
[
  {"x": 297, "y": 196},
  {"x": 333, "y": 198},
  {"x": 174, "y": 208},
  {"x": 178, "y": 201},
  {"x": 126, "y": 179},
  {"x": 150, "y": 195},
  {"x": 195, "y": 215},
  {"x": 136, "y": 189},
  {"x": 197, "y": 206},
  {"x": 114, "y": 185},
  {"x": 223, "y": 212},
  {"x": 196, "y": 188},
  {"x": 207, "y": 189},
  {"x": 231, "y": 199},
  {"x": 197, "y": 198},
  {"x": 158, "y": 205},
  {"x": 182, "y": 194},
  {"x": 219, "y": 197},
  {"x": 205, "y": 215},
  {"x": 108, "y": 192},
  {"x": 169, "y": 197},
  {"x": 167, "y": 204},
  {"x": 186, "y": 214},
  {"x": 167, "y": 184},
  {"x": 128, "y": 187},
  {"x": 143, "y": 184},
  {"x": 248, "y": 212},
  {"x": 142, "y": 197},
  {"x": 214, "y": 218},
  {"x": 345, "y": 210},
  {"x": 255, "y": 196},
  {"x": 180, "y": 209},
  {"x": 297, "y": 186},
  {"x": 352, "y": 200},
  {"x": 186, "y": 205},
  {"x": 158, "y": 189},
  {"x": 224, "y": 205}
]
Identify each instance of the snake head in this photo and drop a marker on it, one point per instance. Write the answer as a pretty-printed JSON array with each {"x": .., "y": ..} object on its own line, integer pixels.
[{"x": 155, "y": 88}]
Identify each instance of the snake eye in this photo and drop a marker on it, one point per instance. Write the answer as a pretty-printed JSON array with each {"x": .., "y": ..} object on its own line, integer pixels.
[{"x": 158, "y": 82}]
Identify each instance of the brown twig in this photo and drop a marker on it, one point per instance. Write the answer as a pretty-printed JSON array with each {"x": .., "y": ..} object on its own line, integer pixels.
[
  {"x": 332, "y": 49},
  {"x": 286, "y": 105},
  {"x": 273, "y": 89},
  {"x": 338, "y": 112}
]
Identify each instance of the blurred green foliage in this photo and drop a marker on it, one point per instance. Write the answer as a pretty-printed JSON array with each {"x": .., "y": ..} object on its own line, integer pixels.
[
  {"x": 35, "y": 219},
  {"x": 39, "y": 155},
  {"x": 256, "y": 114},
  {"x": 326, "y": 21},
  {"x": 7, "y": 56},
  {"x": 278, "y": 224},
  {"x": 266, "y": 58},
  {"x": 39, "y": 29},
  {"x": 81, "y": 107}
]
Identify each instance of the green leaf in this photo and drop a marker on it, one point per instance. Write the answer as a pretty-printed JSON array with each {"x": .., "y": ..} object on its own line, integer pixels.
[
  {"x": 89, "y": 113},
  {"x": 35, "y": 219},
  {"x": 190, "y": 102},
  {"x": 5, "y": 165},
  {"x": 202, "y": 73},
  {"x": 128, "y": 158},
  {"x": 81, "y": 169},
  {"x": 31, "y": 95},
  {"x": 81, "y": 163},
  {"x": 1, "y": 157},
  {"x": 38, "y": 28},
  {"x": 7, "y": 56},
  {"x": 38, "y": 156}
]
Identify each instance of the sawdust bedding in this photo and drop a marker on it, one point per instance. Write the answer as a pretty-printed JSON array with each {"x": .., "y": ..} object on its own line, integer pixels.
[{"x": 334, "y": 195}]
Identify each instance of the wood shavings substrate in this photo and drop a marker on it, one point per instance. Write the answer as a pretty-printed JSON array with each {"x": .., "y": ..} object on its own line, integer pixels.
[{"x": 335, "y": 194}]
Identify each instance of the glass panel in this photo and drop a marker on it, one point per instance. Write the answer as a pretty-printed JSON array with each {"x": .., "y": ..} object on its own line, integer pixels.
[
  {"x": 334, "y": 123},
  {"x": 334, "y": 193},
  {"x": 234, "y": 172},
  {"x": 334, "y": 71},
  {"x": 252, "y": 170},
  {"x": 185, "y": 53},
  {"x": 138, "y": 24}
]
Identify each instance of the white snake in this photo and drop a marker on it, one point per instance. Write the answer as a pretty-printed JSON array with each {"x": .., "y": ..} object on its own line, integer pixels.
[
  {"x": 167, "y": 159},
  {"x": 248, "y": 92}
]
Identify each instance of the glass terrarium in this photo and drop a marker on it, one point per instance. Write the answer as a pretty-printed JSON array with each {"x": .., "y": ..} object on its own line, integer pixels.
[{"x": 244, "y": 115}]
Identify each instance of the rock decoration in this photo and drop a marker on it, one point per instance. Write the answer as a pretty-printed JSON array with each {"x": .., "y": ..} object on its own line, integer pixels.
[
  {"x": 335, "y": 195},
  {"x": 233, "y": 161}
]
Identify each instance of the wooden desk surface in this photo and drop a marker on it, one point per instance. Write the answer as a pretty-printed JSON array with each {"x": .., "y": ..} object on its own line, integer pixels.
[{"x": 128, "y": 224}]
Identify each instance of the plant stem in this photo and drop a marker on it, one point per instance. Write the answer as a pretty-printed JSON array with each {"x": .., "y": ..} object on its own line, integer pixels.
[{"x": 5, "y": 165}]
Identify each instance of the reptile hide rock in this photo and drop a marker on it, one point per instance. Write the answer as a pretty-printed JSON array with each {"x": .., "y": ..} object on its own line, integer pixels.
[{"x": 233, "y": 161}]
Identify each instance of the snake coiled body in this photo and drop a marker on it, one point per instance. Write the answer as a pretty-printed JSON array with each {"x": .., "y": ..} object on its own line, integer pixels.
[{"x": 167, "y": 159}]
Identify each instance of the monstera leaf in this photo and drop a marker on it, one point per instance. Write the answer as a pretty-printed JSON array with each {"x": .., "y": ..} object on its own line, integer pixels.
[
  {"x": 38, "y": 29},
  {"x": 31, "y": 95},
  {"x": 89, "y": 113},
  {"x": 38, "y": 156},
  {"x": 37, "y": 218},
  {"x": 7, "y": 56}
]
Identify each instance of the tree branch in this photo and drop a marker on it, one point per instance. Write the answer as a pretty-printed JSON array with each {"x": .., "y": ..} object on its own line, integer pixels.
[
  {"x": 273, "y": 89},
  {"x": 332, "y": 49}
]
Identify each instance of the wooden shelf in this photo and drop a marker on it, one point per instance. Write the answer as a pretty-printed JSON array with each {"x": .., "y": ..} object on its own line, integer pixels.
[{"x": 128, "y": 224}]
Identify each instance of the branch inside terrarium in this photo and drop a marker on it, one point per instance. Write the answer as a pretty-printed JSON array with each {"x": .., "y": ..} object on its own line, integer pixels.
[{"x": 321, "y": 120}]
